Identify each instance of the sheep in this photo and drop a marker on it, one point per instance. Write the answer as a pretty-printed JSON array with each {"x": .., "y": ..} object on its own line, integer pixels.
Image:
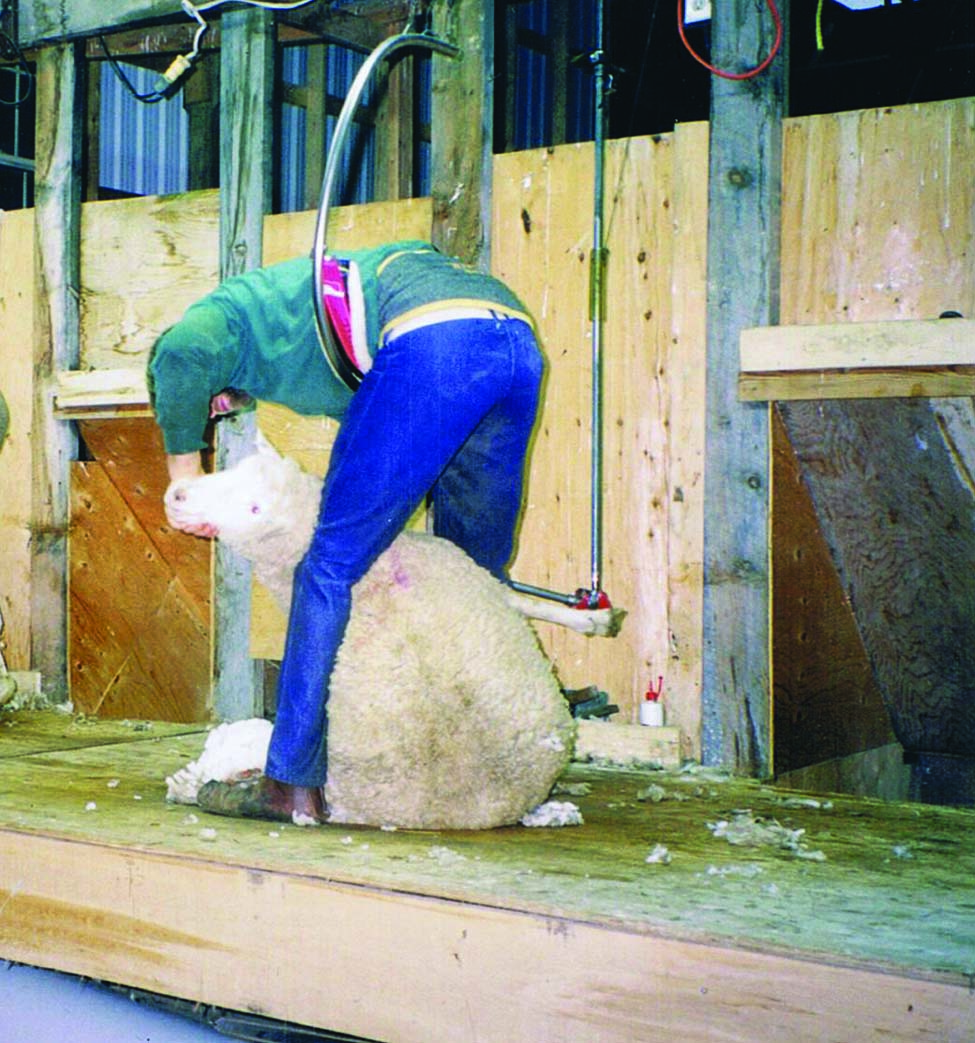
[{"x": 443, "y": 713}]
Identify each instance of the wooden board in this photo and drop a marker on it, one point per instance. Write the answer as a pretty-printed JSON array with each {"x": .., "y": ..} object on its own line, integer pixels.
[
  {"x": 899, "y": 521},
  {"x": 17, "y": 386},
  {"x": 562, "y": 935},
  {"x": 826, "y": 701},
  {"x": 920, "y": 358},
  {"x": 349, "y": 227},
  {"x": 744, "y": 269},
  {"x": 55, "y": 346},
  {"x": 877, "y": 228},
  {"x": 46, "y": 20},
  {"x": 101, "y": 393},
  {"x": 653, "y": 426},
  {"x": 143, "y": 262},
  {"x": 877, "y": 222},
  {"x": 27, "y": 732},
  {"x": 139, "y": 593}
]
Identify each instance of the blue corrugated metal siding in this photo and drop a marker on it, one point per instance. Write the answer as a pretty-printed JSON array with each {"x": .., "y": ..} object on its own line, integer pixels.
[
  {"x": 143, "y": 149},
  {"x": 356, "y": 182},
  {"x": 534, "y": 84},
  {"x": 355, "y": 185},
  {"x": 533, "y": 109},
  {"x": 16, "y": 139},
  {"x": 294, "y": 71},
  {"x": 580, "y": 101}
]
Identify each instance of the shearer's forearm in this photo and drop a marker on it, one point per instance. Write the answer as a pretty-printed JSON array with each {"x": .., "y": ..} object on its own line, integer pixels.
[{"x": 183, "y": 465}]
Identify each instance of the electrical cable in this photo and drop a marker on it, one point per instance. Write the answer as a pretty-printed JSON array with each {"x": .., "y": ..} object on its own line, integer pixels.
[
  {"x": 147, "y": 99},
  {"x": 723, "y": 73},
  {"x": 10, "y": 50},
  {"x": 170, "y": 81},
  {"x": 252, "y": 3}
]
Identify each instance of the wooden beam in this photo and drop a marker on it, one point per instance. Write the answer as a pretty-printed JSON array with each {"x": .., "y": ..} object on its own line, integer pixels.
[
  {"x": 743, "y": 276},
  {"x": 201, "y": 94},
  {"x": 246, "y": 96},
  {"x": 46, "y": 20},
  {"x": 461, "y": 149},
  {"x": 60, "y": 117},
  {"x": 932, "y": 358},
  {"x": 87, "y": 394},
  {"x": 361, "y": 27},
  {"x": 17, "y": 296},
  {"x": 395, "y": 121},
  {"x": 315, "y": 104}
]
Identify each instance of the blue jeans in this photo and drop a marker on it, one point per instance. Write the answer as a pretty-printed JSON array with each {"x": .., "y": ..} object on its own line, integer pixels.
[{"x": 446, "y": 409}]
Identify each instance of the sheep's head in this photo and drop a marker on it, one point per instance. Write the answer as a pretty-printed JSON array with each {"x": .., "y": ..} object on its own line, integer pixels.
[{"x": 241, "y": 502}]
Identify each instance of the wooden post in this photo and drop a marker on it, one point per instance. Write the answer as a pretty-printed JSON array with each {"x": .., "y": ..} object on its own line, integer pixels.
[
  {"x": 743, "y": 278},
  {"x": 200, "y": 100},
  {"x": 246, "y": 84},
  {"x": 316, "y": 99},
  {"x": 394, "y": 133},
  {"x": 60, "y": 117},
  {"x": 461, "y": 130}
]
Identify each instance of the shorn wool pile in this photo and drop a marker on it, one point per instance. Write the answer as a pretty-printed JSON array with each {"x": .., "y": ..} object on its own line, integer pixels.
[{"x": 444, "y": 713}]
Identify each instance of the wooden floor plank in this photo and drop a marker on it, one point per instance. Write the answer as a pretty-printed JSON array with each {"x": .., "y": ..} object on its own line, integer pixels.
[
  {"x": 511, "y": 934},
  {"x": 38, "y": 731}
]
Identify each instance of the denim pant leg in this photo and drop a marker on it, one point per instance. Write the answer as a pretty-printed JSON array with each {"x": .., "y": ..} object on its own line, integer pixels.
[
  {"x": 477, "y": 500},
  {"x": 419, "y": 404}
]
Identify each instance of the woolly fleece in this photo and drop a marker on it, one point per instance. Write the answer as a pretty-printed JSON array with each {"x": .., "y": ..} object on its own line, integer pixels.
[{"x": 444, "y": 713}]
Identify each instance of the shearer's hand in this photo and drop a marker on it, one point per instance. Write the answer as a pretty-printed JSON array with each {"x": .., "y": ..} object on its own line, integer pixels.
[
  {"x": 172, "y": 502},
  {"x": 181, "y": 467}
]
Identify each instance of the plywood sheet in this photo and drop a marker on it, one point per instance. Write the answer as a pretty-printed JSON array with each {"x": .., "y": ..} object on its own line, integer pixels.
[
  {"x": 349, "y": 227},
  {"x": 17, "y": 386},
  {"x": 143, "y": 262},
  {"x": 652, "y": 401},
  {"x": 826, "y": 701},
  {"x": 877, "y": 214},
  {"x": 138, "y": 593},
  {"x": 878, "y": 225}
]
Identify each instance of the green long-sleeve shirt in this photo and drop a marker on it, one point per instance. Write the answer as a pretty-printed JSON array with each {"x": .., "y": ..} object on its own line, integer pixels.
[{"x": 257, "y": 333}]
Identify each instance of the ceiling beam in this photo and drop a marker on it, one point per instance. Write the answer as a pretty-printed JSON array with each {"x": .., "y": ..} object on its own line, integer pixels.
[{"x": 46, "y": 21}]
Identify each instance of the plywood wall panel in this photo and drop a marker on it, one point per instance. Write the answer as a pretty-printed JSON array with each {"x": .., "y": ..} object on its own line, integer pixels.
[
  {"x": 685, "y": 428},
  {"x": 651, "y": 346},
  {"x": 878, "y": 224},
  {"x": 139, "y": 594},
  {"x": 349, "y": 227},
  {"x": 17, "y": 386},
  {"x": 827, "y": 704},
  {"x": 877, "y": 214},
  {"x": 143, "y": 262}
]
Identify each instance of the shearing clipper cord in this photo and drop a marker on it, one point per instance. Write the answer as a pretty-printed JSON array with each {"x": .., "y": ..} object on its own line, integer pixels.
[{"x": 333, "y": 352}]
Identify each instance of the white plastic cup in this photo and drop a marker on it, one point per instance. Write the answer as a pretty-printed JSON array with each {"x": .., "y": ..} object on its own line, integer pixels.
[{"x": 651, "y": 713}]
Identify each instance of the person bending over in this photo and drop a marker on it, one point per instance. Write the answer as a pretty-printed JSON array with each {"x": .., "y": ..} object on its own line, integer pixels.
[{"x": 450, "y": 377}]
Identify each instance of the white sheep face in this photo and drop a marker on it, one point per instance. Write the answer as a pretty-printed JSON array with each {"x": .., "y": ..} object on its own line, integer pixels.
[{"x": 239, "y": 503}]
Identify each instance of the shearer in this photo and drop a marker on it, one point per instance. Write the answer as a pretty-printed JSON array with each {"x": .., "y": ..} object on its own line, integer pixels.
[{"x": 450, "y": 373}]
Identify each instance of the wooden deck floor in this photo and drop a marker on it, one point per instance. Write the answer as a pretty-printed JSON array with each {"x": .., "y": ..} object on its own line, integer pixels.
[{"x": 863, "y": 928}]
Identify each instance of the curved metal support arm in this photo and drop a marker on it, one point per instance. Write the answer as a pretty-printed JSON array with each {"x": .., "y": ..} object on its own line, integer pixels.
[{"x": 332, "y": 165}]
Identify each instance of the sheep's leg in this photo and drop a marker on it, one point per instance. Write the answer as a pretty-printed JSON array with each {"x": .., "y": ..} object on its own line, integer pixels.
[{"x": 596, "y": 622}]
